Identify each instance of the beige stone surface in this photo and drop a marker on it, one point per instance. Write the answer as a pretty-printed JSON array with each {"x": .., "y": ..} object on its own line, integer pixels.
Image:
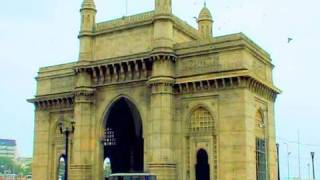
[{"x": 192, "y": 90}]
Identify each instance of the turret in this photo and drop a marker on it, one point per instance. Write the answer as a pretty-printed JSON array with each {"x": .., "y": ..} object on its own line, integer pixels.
[
  {"x": 163, "y": 27},
  {"x": 163, "y": 7},
  {"x": 88, "y": 16},
  {"x": 205, "y": 23},
  {"x": 88, "y": 22}
]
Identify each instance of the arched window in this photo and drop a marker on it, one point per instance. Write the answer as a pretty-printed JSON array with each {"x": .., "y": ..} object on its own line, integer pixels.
[
  {"x": 201, "y": 120},
  {"x": 259, "y": 120},
  {"x": 260, "y": 124},
  {"x": 61, "y": 167},
  {"x": 202, "y": 166},
  {"x": 261, "y": 161}
]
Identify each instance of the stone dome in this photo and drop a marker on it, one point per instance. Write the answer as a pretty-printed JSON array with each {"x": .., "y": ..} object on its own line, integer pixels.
[{"x": 205, "y": 14}]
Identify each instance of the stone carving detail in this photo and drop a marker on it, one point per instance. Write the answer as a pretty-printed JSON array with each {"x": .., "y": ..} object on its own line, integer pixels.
[
  {"x": 118, "y": 72},
  {"x": 163, "y": 56},
  {"x": 210, "y": 84},
  {"x": 53, "y": 102},
  {"x": 259, "y": 120},
  {"x": 198, "y": 65},
  {"x": 201, "y": 121},
  {"x": 161, "y": 86},
  {"x": 201, "y": 125},
  {"x": 84, "y": 95},
  {"x": 228, "y": 82},
  {"x": 260, "y": 124},
  {"x": 205, "y": 64},
  {"x": 261, "y": 89}
]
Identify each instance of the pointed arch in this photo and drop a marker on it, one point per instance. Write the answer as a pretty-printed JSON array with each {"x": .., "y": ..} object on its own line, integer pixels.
[
  {"x": 201, "y": 120},
  {"x": 133, "y": 106},
  {"x": 123, "y": 141}
]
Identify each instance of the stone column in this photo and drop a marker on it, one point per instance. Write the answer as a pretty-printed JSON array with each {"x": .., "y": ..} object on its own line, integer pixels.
[
  {"x": 82, "y": 149},
  {"x": 162, "y": 163}
]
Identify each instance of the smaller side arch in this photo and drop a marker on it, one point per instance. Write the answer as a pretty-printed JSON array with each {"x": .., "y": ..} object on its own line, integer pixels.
[
  {"x": 260, "y": 123},
  {"x": 202, "y": 166},
  {"x": 260, "y": 118},
  {"x": 61, "y": 167}
]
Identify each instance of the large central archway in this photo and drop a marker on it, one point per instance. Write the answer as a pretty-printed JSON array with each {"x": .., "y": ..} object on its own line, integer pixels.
[{"x": 124, "y": 137}]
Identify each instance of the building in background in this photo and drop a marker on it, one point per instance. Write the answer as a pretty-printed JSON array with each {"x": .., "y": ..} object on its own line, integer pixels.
[{"x": 8, "y": 148}]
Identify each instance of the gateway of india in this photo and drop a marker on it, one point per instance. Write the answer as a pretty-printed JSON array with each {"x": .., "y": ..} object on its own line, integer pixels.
[{"x": 154, "y": 94}]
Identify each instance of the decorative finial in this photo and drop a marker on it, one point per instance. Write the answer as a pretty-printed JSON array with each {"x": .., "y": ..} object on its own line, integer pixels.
[{"x": 205, "y": 3}]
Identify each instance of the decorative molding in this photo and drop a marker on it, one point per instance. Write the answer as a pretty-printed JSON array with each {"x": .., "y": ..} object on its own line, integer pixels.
[
  {"x": 163, "y": 56},
  {"x": 55, "y": 101},
  {"x": 125, "y": 21},
  {"x": 262, "y": 89},
  {"x": 249, "y": 82},
  {"x": 118, "y": 72},
  {"x": 84, "y": 91},
  {"x": 161, "y": 85},
  {"x": 84, "y": 95}
]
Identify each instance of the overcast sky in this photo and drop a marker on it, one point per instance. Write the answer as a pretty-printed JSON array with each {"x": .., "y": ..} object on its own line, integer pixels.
[{"x": 38, "y": 33}]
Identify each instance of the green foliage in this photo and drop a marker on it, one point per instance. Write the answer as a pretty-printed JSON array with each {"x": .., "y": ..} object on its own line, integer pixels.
[
  {"x": 10, "y": 166},
  {"x": 7, "y": 164},
  {"x": 26, "y": 170}
]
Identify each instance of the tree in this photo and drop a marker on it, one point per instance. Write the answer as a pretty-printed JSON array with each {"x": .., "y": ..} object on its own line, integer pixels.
[
  {"x": 7, "y": 164},
  {"x": 26, "y": 169}
]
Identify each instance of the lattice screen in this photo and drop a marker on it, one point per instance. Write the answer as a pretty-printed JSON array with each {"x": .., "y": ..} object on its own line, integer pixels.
[{"x": 201, "y": 120}]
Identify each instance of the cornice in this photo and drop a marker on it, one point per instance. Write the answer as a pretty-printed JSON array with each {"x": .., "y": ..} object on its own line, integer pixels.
[
  {"x": 165, "y": 80},
  {"x": 155, "y": 56},
  {"x": 53, "y": 101},
  {"x": 84, "y": 91},
  {"x": 117, "y": 71},
  {"x": 227, "y": 82}
]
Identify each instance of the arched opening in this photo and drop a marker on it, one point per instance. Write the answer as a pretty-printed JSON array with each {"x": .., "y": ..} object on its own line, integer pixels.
[
  {"x": 106, "y": 168},
  {"x": 61, "y": 167},
  {"x": 124, "y": 138},
  {"x": 202, "y": 166}
]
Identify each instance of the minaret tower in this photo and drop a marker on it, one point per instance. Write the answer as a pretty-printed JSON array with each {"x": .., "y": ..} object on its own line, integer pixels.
[
  {"x": 83, "y": 149},
  {"x": 88, "y": 22},
  {"x": 205, "y": 23},
  {"x": 162, "y": 162},
  {"x": 163, "y": 26}
]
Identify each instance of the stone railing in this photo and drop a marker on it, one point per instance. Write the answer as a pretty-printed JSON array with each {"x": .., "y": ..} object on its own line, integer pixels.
[{"x": 124, "y": 21}]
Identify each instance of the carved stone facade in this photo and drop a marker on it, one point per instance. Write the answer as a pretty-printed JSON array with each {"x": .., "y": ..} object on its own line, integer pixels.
[{"x": 193, "y": 93}]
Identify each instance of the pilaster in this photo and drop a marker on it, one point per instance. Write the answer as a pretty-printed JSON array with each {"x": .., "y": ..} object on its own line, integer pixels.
[
  {"x": 162, "y": 163},
  {"x": 83, "y": 141},
  {"x": 41, "y": 158},
  {"x": 161, "y": 84}
]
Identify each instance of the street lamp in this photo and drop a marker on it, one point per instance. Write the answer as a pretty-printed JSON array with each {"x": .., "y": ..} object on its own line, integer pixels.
[
  {"x": 66, "y": 127},
  {"x": 278, "y": 161},
  {"x": 313, "y": 173},
  {"x": 288, "y": 161}
]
